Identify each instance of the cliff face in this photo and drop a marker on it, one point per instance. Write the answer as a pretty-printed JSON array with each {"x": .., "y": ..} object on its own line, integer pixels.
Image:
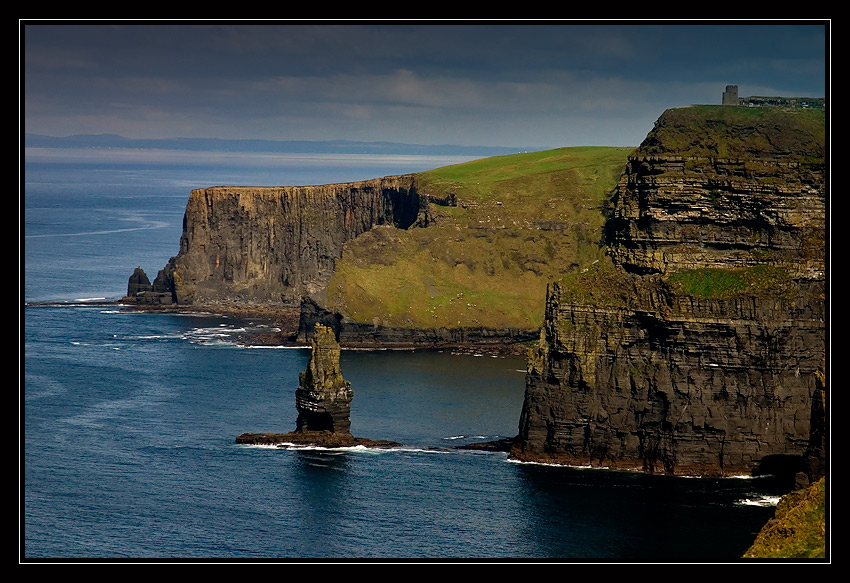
[
  {"x": 722, "y": 190},
  {"x": 277, "y": 244},
  {"x": 694, "y": 349}
]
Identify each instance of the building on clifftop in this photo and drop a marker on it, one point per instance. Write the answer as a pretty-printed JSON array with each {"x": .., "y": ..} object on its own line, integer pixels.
[{"x": 730, "y": 96}]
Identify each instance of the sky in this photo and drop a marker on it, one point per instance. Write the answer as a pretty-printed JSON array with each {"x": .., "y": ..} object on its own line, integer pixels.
[{"x": 529, "y": 84}]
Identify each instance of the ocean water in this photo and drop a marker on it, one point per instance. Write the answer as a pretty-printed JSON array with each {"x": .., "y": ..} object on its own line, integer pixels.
[{"x": 128, "y": 420}]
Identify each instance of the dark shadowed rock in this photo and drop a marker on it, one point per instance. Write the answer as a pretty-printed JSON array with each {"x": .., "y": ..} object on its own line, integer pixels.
[
  {"x": 695, "y": 349},
  {"x": 323, "y": 400},
  {"x": 142, "y": 292},
  {"x": 139, "y": 282}
]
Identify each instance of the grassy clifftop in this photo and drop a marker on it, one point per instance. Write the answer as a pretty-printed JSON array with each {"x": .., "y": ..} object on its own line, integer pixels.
[
  {"x": 502, "y": 229},
  {"x": 739, "y": 132}
]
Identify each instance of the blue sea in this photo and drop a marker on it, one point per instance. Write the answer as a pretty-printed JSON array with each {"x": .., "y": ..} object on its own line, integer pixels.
[{"x": 128, "y": 420}]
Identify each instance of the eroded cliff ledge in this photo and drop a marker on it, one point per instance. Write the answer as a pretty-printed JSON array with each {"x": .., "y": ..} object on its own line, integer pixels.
[
  {"x": 693, "y": 348},
  {"x": 277, "y": 244}
]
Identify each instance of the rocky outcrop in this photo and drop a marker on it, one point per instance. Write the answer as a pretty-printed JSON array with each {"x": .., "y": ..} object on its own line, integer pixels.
[
  {"x": 323, "y": 401},
  {"x": 138, "y": 282},
  {"x": 798, "y": 528},
  {"x": 323, "y": 398},
  {"x": 813, "y": 466},
  {"x": 277, "y": 244},
  {"x": 141, "y": 291},
  {"x": 694, "y": 350},
  {"x": 358, "y": 334}
]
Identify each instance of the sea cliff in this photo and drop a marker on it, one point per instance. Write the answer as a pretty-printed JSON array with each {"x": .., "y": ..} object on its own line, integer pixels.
[
  {"x": 277, "y": 244},
  {"x": 693, "y": 348}
]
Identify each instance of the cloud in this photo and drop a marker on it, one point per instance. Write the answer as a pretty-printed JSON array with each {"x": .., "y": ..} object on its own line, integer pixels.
[{"x": 424, "y": 83}]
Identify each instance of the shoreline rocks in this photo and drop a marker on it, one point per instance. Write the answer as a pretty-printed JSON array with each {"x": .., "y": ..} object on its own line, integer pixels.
[{"x": 327, "y": 439}]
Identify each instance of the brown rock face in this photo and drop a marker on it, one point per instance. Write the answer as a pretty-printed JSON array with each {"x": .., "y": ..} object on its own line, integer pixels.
[
  {"x": 323, "y": 401},
  {"x": 635, "y": 369},
  {"x": 323, "y": 398},
  {"x": 277, "y": 244},
  {"x": 674, "y": 213}
]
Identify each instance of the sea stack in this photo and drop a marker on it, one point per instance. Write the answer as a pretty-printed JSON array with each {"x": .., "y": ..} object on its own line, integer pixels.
[{"x": 323, "y": 398}]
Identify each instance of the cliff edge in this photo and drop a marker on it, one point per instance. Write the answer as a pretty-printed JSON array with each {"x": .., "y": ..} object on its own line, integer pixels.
[
  {"x": 693, "y": 347},
  {"x": 277, "y": 244}
]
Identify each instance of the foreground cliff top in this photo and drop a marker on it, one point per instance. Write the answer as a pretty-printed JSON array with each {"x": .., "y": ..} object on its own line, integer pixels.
[{"x": 739, "y": 132}]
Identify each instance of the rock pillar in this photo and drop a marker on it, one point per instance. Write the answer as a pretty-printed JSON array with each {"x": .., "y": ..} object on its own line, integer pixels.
[{"x": 323, "y": 398}]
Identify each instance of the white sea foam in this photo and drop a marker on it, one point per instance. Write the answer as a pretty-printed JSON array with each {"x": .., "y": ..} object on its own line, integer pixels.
[
  {"x": 552, "y": 465},
  {"x": 270, "y": 346},
  {"x": 329, "y": 450},
  {"x": 418, "y": 450},
  {"x": 760, "y": 501},
  {"x": 257, "y": 445}
]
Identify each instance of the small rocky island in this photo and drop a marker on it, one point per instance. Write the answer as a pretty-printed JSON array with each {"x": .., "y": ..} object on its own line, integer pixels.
[{"x": 323, "y": 400}]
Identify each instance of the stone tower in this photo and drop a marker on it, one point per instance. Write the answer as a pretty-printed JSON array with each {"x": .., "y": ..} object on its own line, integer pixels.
[{"x": 730, "y": 96}]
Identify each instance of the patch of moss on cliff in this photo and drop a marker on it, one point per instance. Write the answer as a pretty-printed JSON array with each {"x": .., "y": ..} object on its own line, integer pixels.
[
  {"x": 519, "y": 223},
  {"x": 727, "y": 283},
  {"x": 600, "y": 284},
  {"x": 798, "y": 529}
]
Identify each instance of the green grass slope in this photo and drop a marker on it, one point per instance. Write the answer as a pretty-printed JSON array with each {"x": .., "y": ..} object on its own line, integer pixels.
[{"x": 521, "y": 221}]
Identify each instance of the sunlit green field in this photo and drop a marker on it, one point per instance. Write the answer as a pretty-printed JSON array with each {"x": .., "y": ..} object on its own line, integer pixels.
[{"x": 521, "y": 221}]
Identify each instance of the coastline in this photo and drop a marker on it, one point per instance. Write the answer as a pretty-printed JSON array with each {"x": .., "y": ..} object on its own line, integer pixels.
[
  {"x": 287, "y": 319},
  {"x": 517, "y": 455}
]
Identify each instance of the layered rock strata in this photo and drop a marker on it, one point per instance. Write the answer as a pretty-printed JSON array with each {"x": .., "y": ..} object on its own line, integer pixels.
[
  {"x": 323, "y": 398},
  {"x": 277, "y": 244},
  {"x": 635, "y": 369},
  {"x": 712, "y": 187},
  {"x": 323, "y": 401}
]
